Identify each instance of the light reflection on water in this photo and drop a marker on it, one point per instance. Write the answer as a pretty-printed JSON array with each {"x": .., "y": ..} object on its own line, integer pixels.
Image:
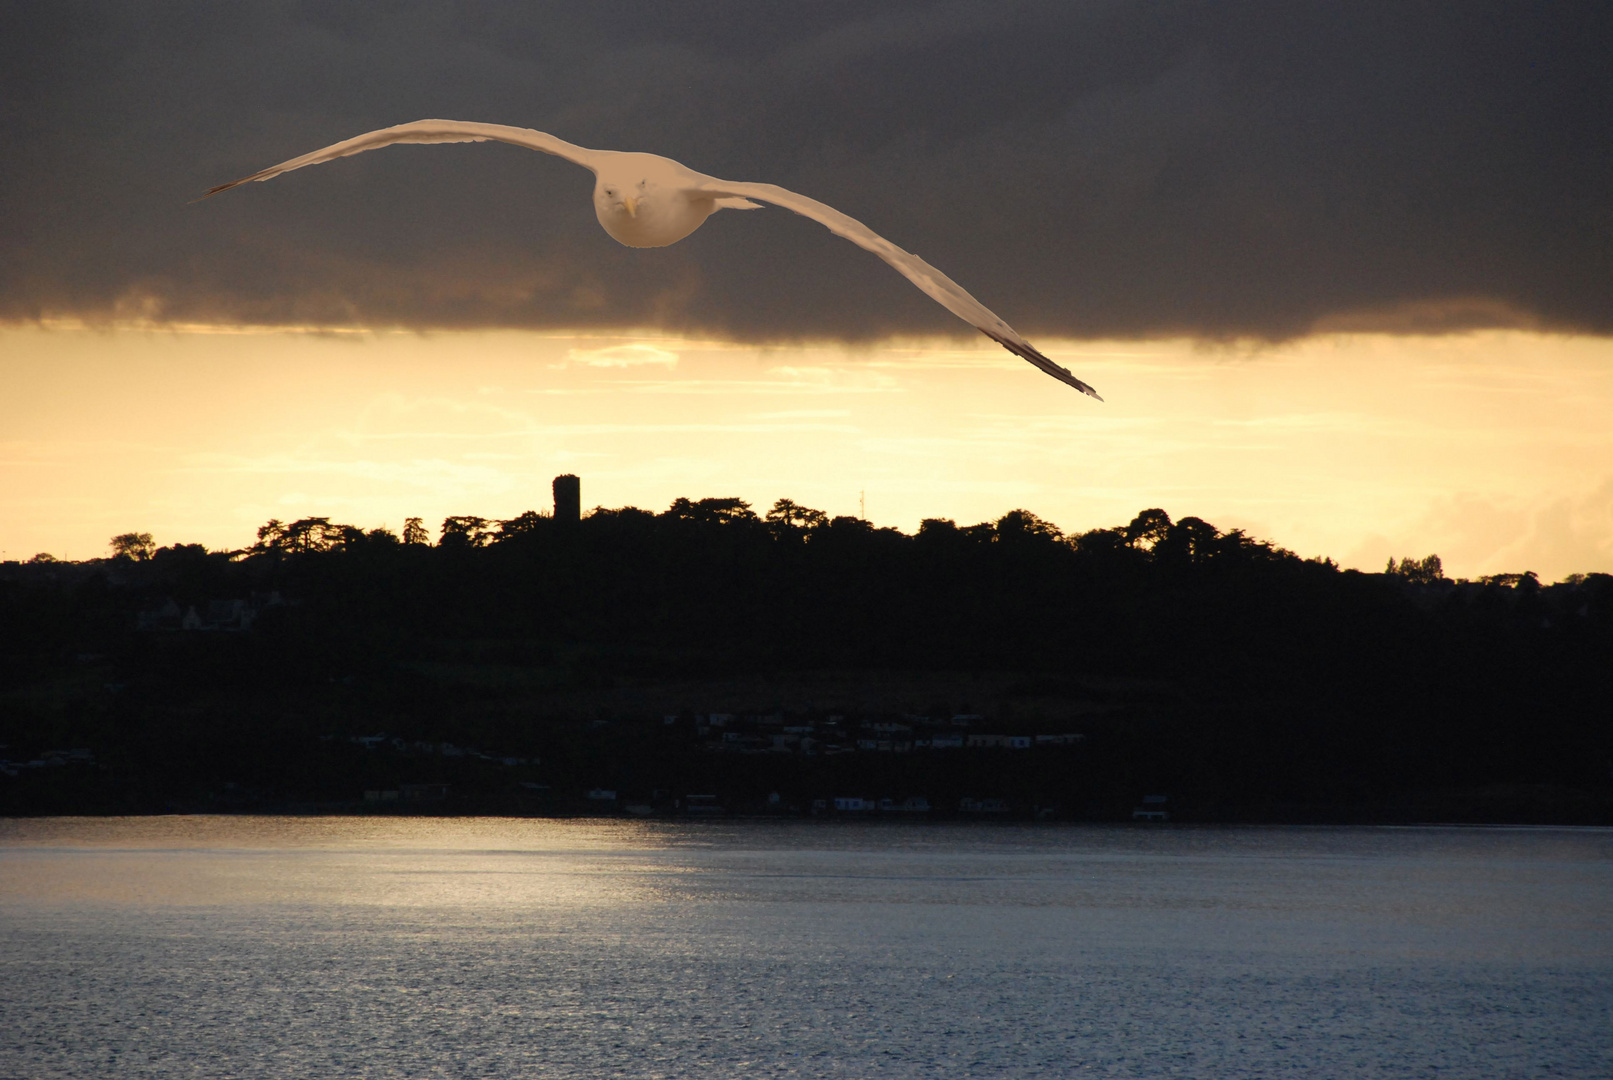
[{"x": 410, "y": 946}]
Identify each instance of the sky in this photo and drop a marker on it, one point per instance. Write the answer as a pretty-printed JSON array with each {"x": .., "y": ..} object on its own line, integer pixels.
[{"x": 1343, "y": 272}]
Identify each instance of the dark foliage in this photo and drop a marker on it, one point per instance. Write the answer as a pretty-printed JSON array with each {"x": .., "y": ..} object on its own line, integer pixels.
[{"x": 1249, "y": 682}]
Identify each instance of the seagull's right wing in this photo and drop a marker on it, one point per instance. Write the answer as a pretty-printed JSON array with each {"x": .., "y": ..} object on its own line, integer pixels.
[
  {"x": 427, "y": 131},
  {"x": 940, "y": 288}
]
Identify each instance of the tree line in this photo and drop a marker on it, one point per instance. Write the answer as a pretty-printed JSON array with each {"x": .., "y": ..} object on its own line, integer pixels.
[
  {"x": 1151, "y": 531},
  {"x": 786, "y": 521},
  {"x": 1200, "y": 660}
]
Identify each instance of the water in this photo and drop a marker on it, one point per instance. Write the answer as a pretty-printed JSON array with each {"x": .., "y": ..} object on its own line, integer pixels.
[{"x": 283, "y": 947}]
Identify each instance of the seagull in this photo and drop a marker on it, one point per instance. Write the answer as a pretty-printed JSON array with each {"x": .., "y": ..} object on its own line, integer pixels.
[{"x": 645, "y": 200}]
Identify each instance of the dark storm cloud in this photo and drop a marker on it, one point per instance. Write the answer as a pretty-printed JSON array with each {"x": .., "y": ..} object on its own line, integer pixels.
[{"x": 1257, "y": 168}]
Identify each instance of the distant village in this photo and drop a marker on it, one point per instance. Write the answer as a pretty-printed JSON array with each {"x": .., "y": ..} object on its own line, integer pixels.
[
  {"x": 727, "y": 733},
  {"x": 47, "y": 759},
  {"x": 460, "y": 772},
  {"x": 770, "y": 734},
  {"x": 230, "y": 616}
]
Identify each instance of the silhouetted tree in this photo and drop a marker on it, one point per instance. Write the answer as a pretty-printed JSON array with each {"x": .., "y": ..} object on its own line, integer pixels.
[
  {"x": 414, "y": 531},
  {"x": 130, "y": 545},
  {"x": 303, "y": 535},
  {"x": 1189, "y": 540},
  {"x": 313, "y": 534},
  {"x": 1421, "y": 571},
  {"x": 1101, "y": 541},
  {"x": 1526, "y": 581},
  {"x": 521, "y": 525},
  {"x": 629, "y": 515},
  {"x": 1019, "y": 525},
  {"x": 465, "y": 531},
  {"x": 270, "y": 535},
  {"x": 1148, "y": 528},
  {"x": 789, "y": 518},
  {"x": 712, "y": 511}
]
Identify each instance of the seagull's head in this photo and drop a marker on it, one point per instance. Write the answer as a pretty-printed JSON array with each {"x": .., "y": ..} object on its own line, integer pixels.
[{"x": 622, "y": 197}]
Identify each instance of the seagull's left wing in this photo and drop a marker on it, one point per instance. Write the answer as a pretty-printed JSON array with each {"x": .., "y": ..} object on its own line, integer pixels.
[
  {"x": 427, "y": 131},
  {"x": 942, "y": 289}
]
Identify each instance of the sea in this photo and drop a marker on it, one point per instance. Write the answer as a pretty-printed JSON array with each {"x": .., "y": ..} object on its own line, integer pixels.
[{"x": 480, "y": 947}]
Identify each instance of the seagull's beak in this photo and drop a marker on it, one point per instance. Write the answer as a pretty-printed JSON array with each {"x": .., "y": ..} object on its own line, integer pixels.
[{"x": 632, "y": 206}]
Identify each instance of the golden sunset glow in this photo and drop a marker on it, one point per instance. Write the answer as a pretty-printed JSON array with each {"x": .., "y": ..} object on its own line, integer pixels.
[{"x": 1491, "y": 449}]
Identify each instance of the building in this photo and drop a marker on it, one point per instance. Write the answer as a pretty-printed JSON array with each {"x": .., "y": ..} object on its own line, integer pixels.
[
  {"x": 1152, "y": 809},
  {"x": 567, "y": 499}
]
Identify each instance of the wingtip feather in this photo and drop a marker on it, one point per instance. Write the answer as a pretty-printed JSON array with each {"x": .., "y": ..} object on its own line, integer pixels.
[
  {"x": 222, "y": 187},
  {"x": 1024, "y": 351},
  {"x": 263, "y": 174}
]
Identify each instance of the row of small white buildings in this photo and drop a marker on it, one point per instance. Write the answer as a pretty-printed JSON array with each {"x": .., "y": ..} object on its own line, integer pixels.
[{"x": 787, "y": 742}]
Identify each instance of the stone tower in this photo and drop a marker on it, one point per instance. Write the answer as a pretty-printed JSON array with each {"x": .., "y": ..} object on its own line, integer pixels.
[{"x": 567, "y": 500}]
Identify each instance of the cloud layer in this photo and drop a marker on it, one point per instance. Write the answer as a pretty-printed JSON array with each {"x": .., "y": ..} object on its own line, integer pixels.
[{"x": 1088, "y": 169}]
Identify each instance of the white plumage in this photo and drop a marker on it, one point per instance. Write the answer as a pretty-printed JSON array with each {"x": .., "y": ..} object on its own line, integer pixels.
[{"x": 644, "y": 200}]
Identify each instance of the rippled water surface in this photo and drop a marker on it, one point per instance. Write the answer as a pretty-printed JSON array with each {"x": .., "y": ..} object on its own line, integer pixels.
[{"x": 290, "y": 947}]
